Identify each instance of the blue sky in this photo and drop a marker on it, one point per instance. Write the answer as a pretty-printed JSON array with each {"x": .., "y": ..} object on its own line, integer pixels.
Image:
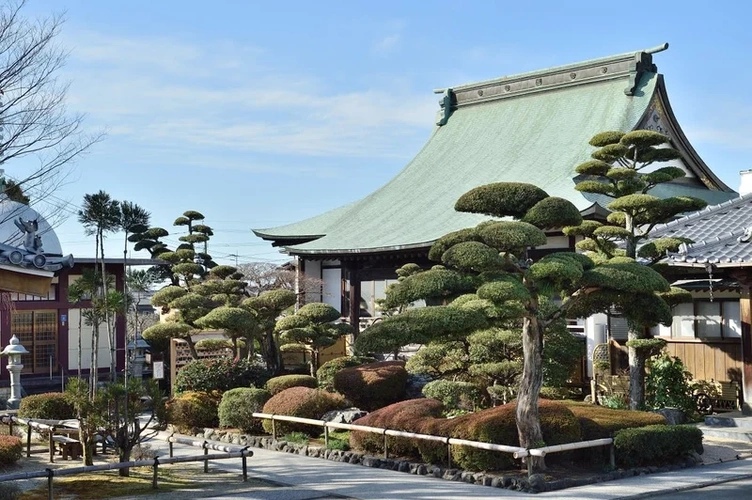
[{"x": 259, "y": 114}]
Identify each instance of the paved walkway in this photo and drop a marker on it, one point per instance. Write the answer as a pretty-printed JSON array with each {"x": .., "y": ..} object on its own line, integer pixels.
[{"x": 307, "y": 478}]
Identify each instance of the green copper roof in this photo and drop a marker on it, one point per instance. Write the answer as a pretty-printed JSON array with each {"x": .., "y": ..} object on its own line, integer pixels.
[{"x": 530, "y": 128}]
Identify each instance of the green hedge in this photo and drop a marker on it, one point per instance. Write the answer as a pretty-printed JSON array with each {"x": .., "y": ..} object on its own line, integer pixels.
[
  {"x": 209, "y": 375},
  {"x": 278, "y": 384},
  {"x": 301, "y": 402},
  {"x": 238, "y": 405},
  {"x": 10, "y": 450},
  {"x": 372, "y": 386},
  {"x": 656, "y": 444},
  {"x": 193, "y": 409},
  {"x": 50, "y": 406}
]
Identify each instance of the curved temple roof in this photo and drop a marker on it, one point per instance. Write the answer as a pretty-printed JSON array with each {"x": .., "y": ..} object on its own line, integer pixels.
[{"x": 530, "y": 128}]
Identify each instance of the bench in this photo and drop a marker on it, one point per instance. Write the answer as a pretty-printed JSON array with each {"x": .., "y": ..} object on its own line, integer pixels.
[
  {"x": 68, "y": 447},
  {"x": 724, "y": 397}
]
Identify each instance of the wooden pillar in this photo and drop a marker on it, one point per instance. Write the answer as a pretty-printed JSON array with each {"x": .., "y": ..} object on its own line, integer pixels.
[
  {"x": 745, "y": 307},
  {"x": 354, "y": 312}
]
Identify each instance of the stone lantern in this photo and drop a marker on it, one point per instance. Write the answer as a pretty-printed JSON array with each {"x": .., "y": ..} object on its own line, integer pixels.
[
  {"x": 137, "y": 356},
  {"x": 14, "y": 350}
]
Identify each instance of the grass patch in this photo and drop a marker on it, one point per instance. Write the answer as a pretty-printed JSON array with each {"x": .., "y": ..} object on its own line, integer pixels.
[{"x": 109, "y": 484}]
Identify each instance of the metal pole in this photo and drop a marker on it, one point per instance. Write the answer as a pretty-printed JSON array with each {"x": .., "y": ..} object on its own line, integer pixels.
[
  {"x": 206, "y": 462},
  {"x": 154, "y": 474},
  {"x": 245, "y": 467},
  {"x": 28, "y": 439},
  {"x": 326, "y": 436},
  {"x": 612, "y": 456},
  {"x": 49, "y": 484},
  {"x": 168, "y": 440}
]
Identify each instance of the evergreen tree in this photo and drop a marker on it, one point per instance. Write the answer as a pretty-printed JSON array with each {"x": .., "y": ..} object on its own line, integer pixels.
[
  {"x": 486, "y": 278},
  {"x": 623, "y": 169}
]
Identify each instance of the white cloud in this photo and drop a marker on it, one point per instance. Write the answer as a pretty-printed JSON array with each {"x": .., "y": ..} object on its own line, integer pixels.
[{"x": 169, "y": 94}]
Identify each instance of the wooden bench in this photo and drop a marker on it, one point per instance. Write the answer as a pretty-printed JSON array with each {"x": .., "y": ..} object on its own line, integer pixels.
[
  {"x": 68, "y": 447},
  {"x": 729, "y": 398}
]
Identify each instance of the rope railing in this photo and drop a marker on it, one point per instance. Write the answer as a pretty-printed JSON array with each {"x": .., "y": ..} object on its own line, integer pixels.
[{"x": 516, "y": 451}]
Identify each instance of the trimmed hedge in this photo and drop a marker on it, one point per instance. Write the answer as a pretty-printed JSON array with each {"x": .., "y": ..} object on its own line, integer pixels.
[
  {"x": 278, "y": 384},
  {"x": 656, "y": 444},
  {"x": 374, "y": 385},
  {"x": 208, "y": 375},
  {"x": 238, "y": 405},
  {"x": 599, "y": 422},
  {"x": 10, "y": 450},
  {"x": 454, "y": 393},
  {"x": 410, "y": 416},
  {"x": 193, "y": 409},
  {"x": 301, "y": 402},
  {"x": 325, "y": 373},
  {"x": 50, "y": 406}
]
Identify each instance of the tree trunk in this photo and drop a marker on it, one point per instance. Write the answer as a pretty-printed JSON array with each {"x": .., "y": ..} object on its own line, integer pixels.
[
  {"x": 636, "y": 371},
  {"x": 94, "y": 358},
  {"x": 269, "y": 353},
  {"x": 528, "y": 421},
  {"x": 80, "y": 347},
  {"x": 87, "y": 444},
  {"x": 124, "y": 455}
]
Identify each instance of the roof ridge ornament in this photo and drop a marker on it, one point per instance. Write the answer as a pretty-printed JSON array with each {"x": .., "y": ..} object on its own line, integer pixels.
[
  {"x": 446, "y": 103},
  {"x": 643, "y": 64},
  {"x": 747, "y": 236}
]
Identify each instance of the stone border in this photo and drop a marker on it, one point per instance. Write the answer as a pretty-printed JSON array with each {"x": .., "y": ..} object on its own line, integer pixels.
[{"x": 535, "y": 484}]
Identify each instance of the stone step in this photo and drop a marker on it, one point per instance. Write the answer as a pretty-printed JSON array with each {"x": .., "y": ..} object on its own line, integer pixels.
[
  {"x": 734, "y": 419},
  {"x": 732, "y": 433}
]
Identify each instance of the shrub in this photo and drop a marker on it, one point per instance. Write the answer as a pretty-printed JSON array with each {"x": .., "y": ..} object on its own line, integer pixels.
[
  {"x": 325, "y": 373},
  {"x": 278, "y": 384},
  {"x": 656, "y": 444},
  {"x": 301, "y": 402},
  {"x": 10, "y": 450},
  {"x": 51, "y": 406},
  {"x": 223, "y": 374},
  {"x": 10, "y": 491},
  {"x": 498, "y": 425},
  {"x": 599, "y": 422},
  {"x": 193, "y": 409},
  {"x": 454, "y": 394},
  {"x": 409, "y": 416},
  {"x": 372, "y": 386},
  {"x": 669, "y": 384},
  {"x": 296, "y": 437},
  {"x": 238, "y": 404}
]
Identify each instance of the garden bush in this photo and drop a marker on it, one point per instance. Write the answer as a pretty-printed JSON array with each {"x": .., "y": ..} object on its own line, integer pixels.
[
  {"x": 51, "y": 406},
  {"x": 374, "y": 385},
  {"x": 599, "y": 422},
  {"x": 498, "y": 425},
  {"x": 325, "y": 373},
  {"x": 454, "y": 394},
  {"x": 10, "y": 450},
  {"x": 193, "y": 409},
  {"x": 302, "y": 402},
  {"x": 409, "y": 416},
  {"x": 656, "y": 444},
  {"x": 669, "y": 385},
  {"x": 223, "y": 374},
  {"x": 238, "y": 405},
  {"x": 278, "y": 384}
]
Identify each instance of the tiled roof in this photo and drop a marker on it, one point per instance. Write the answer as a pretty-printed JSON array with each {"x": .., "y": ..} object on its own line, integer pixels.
[
  {"x": 719, "y": 235},
  {"x": 530, "y": 128}
]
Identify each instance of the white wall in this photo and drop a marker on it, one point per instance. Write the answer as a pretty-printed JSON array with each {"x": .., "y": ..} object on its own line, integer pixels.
[
  {"x": 332, "y": 287},
  {"x": 313, "y": 270},
  {"x": 86, "y": 331}
]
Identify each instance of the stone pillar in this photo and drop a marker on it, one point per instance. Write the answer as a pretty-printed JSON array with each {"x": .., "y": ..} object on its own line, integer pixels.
[{"x": 14, "y": 350}]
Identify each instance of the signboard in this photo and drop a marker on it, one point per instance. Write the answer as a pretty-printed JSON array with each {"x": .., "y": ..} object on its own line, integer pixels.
[{"x": 158, "y": 369}]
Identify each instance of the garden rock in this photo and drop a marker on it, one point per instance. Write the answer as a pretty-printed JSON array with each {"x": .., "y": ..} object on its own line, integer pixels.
[
  {"x": 346, "y": 416},
  {"x": 673, "y": 416}
]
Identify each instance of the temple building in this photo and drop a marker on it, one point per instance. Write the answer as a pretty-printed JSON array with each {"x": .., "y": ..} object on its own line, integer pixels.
[{"x": 531, "y": 127}]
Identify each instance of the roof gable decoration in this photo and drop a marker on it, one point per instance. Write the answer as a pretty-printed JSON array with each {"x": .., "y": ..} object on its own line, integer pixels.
[{"x": 31, "y": 254}]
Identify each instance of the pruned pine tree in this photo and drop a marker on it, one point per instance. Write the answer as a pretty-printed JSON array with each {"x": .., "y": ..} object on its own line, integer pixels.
[
  {"x": 485, "y": 277},
  {"x": 312, "y": 328},
  {"x": 266, "y": 308},
  {"x": 625, "y": 168},
  {"x": 83, "y": 289}
]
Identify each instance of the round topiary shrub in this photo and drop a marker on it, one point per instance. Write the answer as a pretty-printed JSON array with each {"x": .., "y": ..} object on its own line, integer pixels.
[
  {"x": 222, "y": 374},
  {"x": 454, "y": 394},
  {"x": 278, "y": 384},
  {"x": 372, "y": 386},
  {"x": 411, "y": 416},
  {"x": 10, "y": 450},
  {"x": 325, "y": 373},
  {"x": 50, "y": 406},
  {"x": 301, "y": 402},
  {"x": 239, "y": 404},
  {"x": 193, "y": 409}
]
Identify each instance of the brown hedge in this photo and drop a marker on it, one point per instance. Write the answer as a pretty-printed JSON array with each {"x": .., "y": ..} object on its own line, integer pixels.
[
  {"x": 302, "y": 402},
  {"x": 599, "y": 422},
  {"x": 278, "y": 384},
  {"x": 10, "y": 450},
  {"x": 374, "y": 385}
]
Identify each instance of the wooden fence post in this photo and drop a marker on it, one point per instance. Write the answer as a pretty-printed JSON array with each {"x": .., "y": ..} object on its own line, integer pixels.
[
  {"x": 206, "y": 462},
  {"x": 154, "y": 475},
  {"x": 169, "y": 440},
  {"x": 28, "y": 439},
  {"x": 52, "y": 446},
  {"x": 386, "y": 444},
  {"x": 245, "y": 466},
  {"x": 49, "y": 484}
]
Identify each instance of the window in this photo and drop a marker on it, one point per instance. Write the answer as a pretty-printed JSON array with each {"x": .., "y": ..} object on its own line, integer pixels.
[
  {"x": 707, "y": 320},
  {"x": 37, "y": 331}
]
